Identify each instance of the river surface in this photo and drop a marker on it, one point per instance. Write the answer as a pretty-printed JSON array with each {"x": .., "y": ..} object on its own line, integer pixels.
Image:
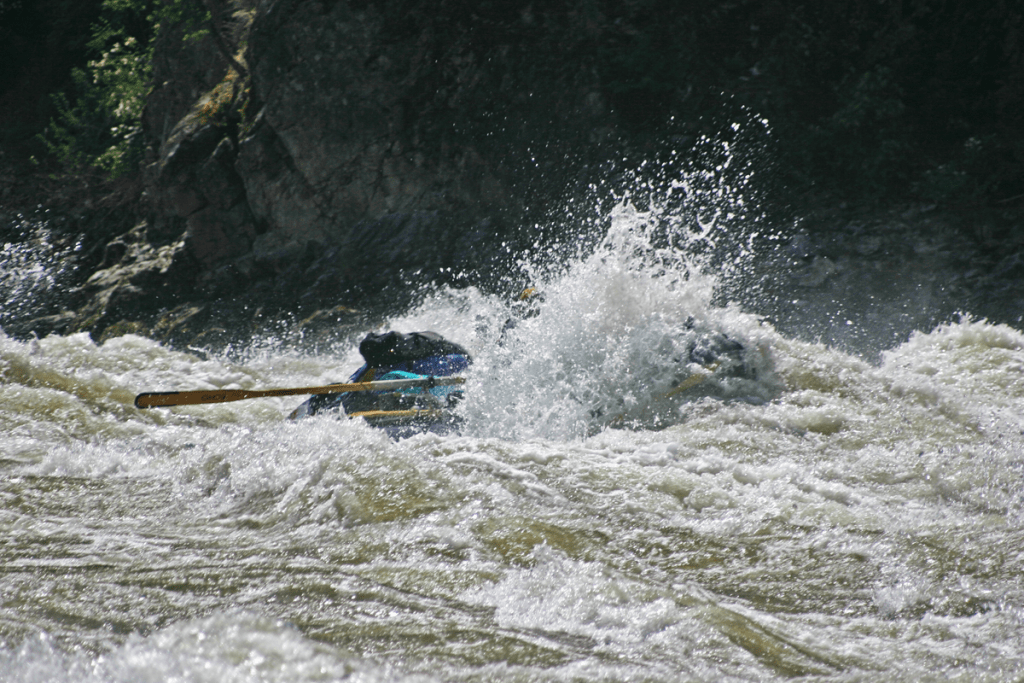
[{"x": 805, "y": 512}]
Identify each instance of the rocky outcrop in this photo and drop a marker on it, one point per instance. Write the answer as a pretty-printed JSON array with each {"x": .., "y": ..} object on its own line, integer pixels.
[
  {"x": 365, "y": 147},
  {"x": 359, "y": 146}
]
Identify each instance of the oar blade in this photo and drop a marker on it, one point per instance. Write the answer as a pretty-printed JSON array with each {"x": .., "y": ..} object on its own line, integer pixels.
[{"x": 157, "y": 399}]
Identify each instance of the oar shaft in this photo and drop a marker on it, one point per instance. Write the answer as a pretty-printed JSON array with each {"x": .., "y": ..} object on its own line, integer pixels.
[{"x": 181, "y": 398}]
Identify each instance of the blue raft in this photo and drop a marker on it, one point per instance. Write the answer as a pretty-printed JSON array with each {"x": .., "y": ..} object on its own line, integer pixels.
[{"x": 393, "y": 355}]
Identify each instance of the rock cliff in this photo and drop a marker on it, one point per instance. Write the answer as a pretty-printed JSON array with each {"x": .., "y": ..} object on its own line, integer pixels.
[
  {"x": 307, "y": 155},
  {"x": 361, "y": 146},
  {"x": 365, "y": 144}
]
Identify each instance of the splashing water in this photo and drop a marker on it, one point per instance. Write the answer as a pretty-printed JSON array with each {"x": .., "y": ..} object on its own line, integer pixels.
[
  {"x": 617, "y": 334},
  {"x": 32, "y": 272},
  {"x": 798, "y": 513}
]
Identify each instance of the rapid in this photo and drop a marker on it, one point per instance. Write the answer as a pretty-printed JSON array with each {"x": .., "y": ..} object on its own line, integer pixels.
[{"x": 815, "y": 512}]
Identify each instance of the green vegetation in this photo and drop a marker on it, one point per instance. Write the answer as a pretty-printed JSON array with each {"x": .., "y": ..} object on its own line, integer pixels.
[{"x": 101, "y": 127}]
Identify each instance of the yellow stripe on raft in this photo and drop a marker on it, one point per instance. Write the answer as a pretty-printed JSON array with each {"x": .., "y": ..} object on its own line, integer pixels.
[{"x": 381, "y": 416}]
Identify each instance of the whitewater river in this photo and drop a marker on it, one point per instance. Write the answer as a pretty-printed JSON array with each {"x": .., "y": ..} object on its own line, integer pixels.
[{"x": 803, "y": 513}]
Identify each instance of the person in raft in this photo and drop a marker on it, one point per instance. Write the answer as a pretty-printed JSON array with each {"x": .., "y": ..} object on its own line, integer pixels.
[{"x": 393, "y": 355}]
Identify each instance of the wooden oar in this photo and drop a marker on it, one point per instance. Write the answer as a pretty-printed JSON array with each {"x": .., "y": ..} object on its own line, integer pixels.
[{"x": 184, "y": 398}]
